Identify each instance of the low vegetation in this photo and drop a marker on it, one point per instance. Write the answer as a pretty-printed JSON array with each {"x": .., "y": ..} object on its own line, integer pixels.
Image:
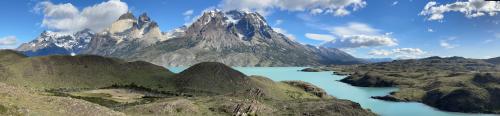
[
  {"x": 91, "y": 85},
  {"x": 452, "y": 84}
]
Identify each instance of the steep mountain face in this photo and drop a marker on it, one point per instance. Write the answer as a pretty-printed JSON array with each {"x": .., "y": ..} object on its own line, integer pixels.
[
  {"x": 126, "y": 35},
  {"x": 236, "y": 38},
  {"x": 56, "y": 43},
  {"x": 336, "y": 56}
]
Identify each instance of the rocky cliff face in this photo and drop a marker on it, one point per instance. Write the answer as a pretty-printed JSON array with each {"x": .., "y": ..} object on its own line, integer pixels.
[
  {"x": 236, "y": 38},
  {"x": 126, "y": 35}
]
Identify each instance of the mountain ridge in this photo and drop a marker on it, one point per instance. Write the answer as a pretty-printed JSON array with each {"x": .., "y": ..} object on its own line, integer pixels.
[{"x": 236, "y": 38}]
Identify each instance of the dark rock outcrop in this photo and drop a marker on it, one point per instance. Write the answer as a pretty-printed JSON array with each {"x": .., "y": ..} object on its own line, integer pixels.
[
  {"x": 460, "y": 100},
  {"x": 369, "y": 79},
  {"x": 308, "y": 87},
  {"x": 311, "y": 70}
]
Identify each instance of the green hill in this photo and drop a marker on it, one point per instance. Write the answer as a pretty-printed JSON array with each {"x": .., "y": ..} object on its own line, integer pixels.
[
  {"x": 212, "y": 77},
  {"x": 51, "y": 72},
  {"x": 17, "y": 101}
]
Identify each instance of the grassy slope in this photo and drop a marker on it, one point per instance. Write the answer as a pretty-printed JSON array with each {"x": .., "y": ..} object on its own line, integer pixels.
[
  {"x": 51, "y": 72},
  {"x": 20, "y": 101}
]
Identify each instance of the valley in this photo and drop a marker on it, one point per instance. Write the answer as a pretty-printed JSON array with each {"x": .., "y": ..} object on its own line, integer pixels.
[
  {"x": 250, "y": 58},
  {"x": 208, "y": 88}
]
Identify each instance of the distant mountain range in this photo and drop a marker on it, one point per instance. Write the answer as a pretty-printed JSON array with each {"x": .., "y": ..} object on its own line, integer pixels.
[
  {"x": 377, "y": 60},
  {"x": 236, "y": 38}
]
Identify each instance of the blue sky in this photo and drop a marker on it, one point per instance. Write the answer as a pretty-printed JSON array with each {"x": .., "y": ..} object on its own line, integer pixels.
[{"x": 388, "y": 28}]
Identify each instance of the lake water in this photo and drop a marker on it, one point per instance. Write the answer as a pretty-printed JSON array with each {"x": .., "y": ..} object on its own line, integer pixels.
[{"x": 341, "y": 90}]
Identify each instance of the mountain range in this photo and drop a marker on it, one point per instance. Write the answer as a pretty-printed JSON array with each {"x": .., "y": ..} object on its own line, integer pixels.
[{"x": 235, "y": 38}]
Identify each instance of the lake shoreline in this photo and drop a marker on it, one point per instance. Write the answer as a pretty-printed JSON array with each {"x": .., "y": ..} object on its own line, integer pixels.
[{"x": 330, "y": 83}]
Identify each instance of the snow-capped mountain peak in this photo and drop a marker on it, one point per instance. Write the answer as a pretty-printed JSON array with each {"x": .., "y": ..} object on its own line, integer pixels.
[{"x": 64, "y": 43}]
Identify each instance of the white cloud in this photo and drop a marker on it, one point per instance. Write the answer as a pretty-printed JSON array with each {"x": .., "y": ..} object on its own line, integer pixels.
[
  {"x": 278, "y": 22},
  {"x": 284, "y": 32},
  {"x": 67, "y": 18},
  {"x": 488, "y": 41},
  {"x": 471, "y": 9},
  {"x": 403, "y": 53},
  {"x": 409, "y": 51},
  {"x": 320, "y": 37},
  {"x": 188, "y": 17},
  {"x": 8, "y": 40},
  {"x": 380, "y": 53},
  {"x": 316, "y": 11},
  {"x": 335, "y": 7},
  {"x": 446, "y": 43},
  {"x": 188, "y": 13},
  {"x": 355, "y": 35},
  {"x": 430, "y": 30},
  {"x": 497, "y": 35},
  {"x": 357, "y": 41},
  {"x": 354, "y": 28},
  {"x": 395, "y": 3}
]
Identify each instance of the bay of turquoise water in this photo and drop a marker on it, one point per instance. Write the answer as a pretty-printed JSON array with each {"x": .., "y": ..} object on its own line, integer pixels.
[{"x": 361, "y": 95}]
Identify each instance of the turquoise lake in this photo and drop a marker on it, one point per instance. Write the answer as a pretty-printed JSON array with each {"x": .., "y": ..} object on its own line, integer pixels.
[{"x": 361, "y": 95}]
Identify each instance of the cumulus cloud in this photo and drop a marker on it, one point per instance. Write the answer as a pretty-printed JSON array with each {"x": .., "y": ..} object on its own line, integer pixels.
[
  {"x": 446, "y": 43},
  {"x": 355, "y": 35},
  {"x": 68, "y": 18},
  {"x": 8, "y": 40},
  {"x": 284, "y": 32},
  {"x": 470, "y": 8},
  {"x": 380, "y": 53},
  {"x": 320, "y": 37},
  {"x": 354, "y": 28},
  {"x": 403, "y": 53},
  {"x": 316, "y": 11},
  {"x": 335, "y": 7},
  {"x": 356, "y": 41}
]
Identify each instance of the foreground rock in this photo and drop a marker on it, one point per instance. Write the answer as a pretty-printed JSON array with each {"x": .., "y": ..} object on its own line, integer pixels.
[
  {"x": 453, "y": 84},
  {"x": 93, "y": 85}
]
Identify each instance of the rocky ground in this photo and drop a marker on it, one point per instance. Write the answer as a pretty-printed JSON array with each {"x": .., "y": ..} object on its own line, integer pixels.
[{"x": 453, "y": 84}]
